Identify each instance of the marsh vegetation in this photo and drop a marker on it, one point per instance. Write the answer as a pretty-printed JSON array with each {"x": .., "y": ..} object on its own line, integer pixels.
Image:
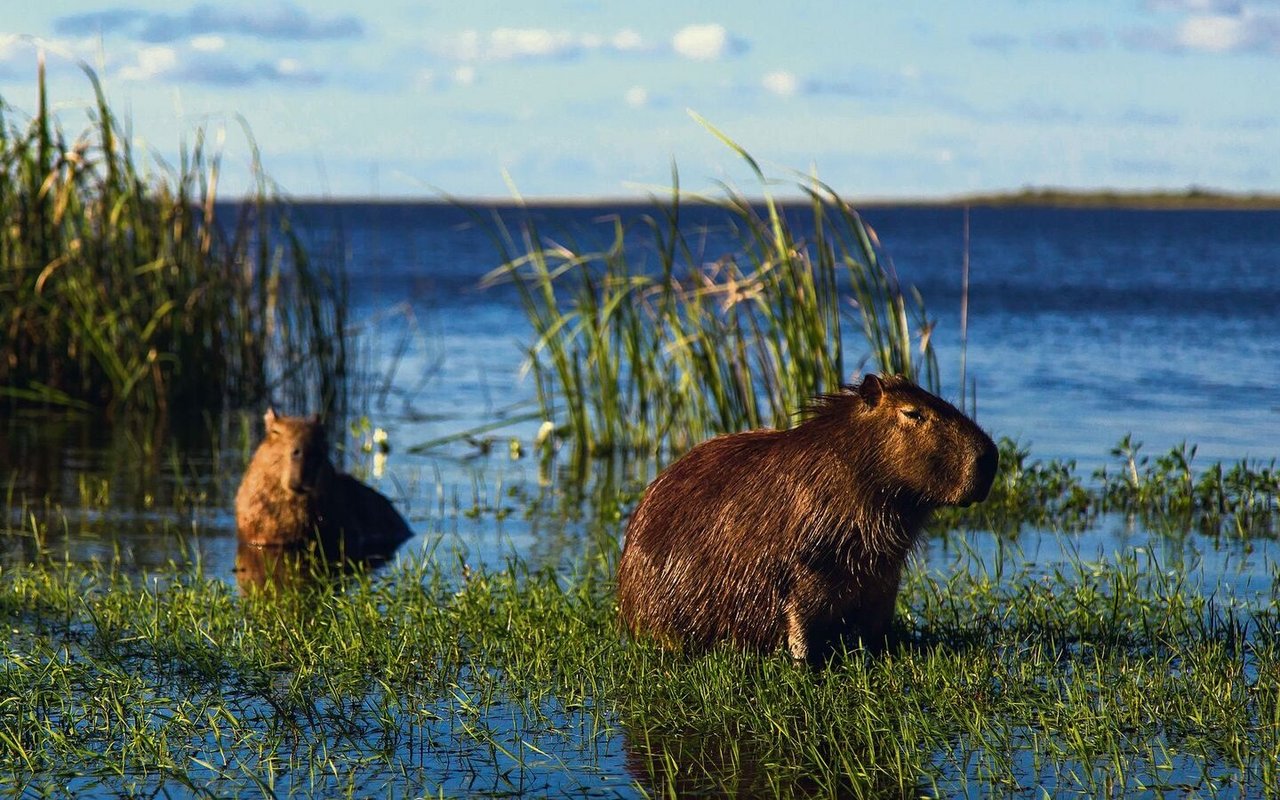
[{"x": 133, "y": 290}]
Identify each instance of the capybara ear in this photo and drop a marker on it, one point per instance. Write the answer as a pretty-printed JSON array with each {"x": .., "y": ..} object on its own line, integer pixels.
[
  {"x": 871, "y": 390},
  {"x": 269, "y": 417}
]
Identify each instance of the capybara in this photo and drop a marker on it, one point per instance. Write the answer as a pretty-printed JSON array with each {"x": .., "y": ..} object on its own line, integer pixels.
[
  {"x": 797, "y": 538},
  {"x": 291, "y": 494}
]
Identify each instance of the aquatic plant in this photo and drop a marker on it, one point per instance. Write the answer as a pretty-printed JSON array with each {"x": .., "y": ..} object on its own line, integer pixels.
[
  {"x": 1243, "y": 498},
  {"x": 641, "y": 356},
  {"x": 126, "y": 290},
  {"x": 1239, "y": 500}
]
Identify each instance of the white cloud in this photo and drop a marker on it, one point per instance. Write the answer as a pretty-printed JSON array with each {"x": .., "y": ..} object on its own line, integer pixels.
[
  {"x": 701, "y": 42},
  {"x": 511, "y": 44},
  {"x": 626, "y": 40},
  {"x": 208, "y": 44},
  {"x": 781, "y": 83},
  {"x": 1215, "y": 34},
  {"x": 1212, "y": 26},
  {"x": 152, "y": 62},
  {"x": 9, "y": 43},
  {"x": 464, "y": 76},
  {"x": 637, "y": 97}
]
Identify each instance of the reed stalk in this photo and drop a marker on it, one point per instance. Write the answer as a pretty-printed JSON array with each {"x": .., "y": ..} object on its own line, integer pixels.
[
  {"x": 666, "y": 336},
  {"x": 127, "y": 289}
]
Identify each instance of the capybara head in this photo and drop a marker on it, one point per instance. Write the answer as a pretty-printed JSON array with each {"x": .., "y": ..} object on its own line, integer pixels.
[
  {"x": 302, "y": 451},
  {"x": 922, "y": 445}
]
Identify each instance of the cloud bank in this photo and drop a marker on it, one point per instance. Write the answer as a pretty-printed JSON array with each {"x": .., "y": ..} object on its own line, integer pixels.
[{"x": 275, "y": 21}]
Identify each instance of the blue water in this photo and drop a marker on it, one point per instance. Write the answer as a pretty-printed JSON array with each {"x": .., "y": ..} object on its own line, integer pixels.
[{"x": 1084, "y": 325}]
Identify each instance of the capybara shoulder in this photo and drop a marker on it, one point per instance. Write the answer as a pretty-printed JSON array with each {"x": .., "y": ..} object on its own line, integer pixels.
[
  {"x": 797, "y": 538},
  {"x": 292, "y": 494}
]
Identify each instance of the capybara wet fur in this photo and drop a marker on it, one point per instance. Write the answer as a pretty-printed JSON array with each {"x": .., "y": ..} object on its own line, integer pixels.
[
  {"x": 797, "y": 538},
  {"x": 291, "y": 494}
]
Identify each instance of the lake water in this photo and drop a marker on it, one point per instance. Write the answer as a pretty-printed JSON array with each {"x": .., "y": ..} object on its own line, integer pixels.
[{"x": 1084, "y": 326}]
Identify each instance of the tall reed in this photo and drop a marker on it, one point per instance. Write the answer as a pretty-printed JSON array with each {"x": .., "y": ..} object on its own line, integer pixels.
[
  {"x": 654, "y": 342},
  {"x": 129, "y": 291}
]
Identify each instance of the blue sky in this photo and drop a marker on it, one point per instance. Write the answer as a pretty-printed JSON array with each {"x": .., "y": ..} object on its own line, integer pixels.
[{"x": 585, "y": 98}]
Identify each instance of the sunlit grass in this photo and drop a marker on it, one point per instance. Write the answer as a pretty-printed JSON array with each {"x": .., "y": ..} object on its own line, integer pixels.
[
  {"x": 130, "y": 290},
  {"x": 1169, "y": 494},
  {"x": 658, "y": 342},
  {"x": 1103, "y": 676}
]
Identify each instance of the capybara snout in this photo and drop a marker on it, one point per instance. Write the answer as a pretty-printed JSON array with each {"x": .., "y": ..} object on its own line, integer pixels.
[
  {"x": 798, "y": 538},
  {"x": 985, "y": 466},
  {"x": 301, "y": 451}
]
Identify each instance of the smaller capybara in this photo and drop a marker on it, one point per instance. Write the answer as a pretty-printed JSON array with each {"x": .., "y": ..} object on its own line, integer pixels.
[
  {"x": 797, "y": 538},
  {"x": 291, "y": 494}
]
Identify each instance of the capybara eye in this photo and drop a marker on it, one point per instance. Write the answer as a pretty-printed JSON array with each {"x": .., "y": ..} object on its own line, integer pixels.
[{"x": 913, "y": 414}]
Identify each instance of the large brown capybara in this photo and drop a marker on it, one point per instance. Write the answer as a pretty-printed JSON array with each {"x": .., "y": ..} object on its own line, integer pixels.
[
  {"x": 291, "y": 494},
  {"x": 797, "y": 538}
]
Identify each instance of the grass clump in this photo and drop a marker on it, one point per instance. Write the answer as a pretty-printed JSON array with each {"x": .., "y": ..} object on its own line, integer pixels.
[
  {"x": 126, "y": 291},
  {"x": 1166, "y": 494},
  {"x": 673, "y": 333},
  {"x": 1085, "y": 677}
]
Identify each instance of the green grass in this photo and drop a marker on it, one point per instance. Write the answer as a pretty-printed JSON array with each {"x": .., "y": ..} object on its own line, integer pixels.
[
  {"x": 656, "y": 342},
  {"x": 128, "y": 290},
  {"x": 1169, "y": 494},
  {"x": 1084, "y": 676}
]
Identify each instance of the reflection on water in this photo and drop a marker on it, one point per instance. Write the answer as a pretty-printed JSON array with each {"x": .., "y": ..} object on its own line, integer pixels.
[
  {"x": 699, "y": 764},
  {"x": 267, "y": 568}
]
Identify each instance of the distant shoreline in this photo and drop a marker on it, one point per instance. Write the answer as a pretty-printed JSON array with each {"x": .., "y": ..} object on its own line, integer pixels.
[
  {"x": 1190, "y": 200},
  {"x": 1187, "y": 200}
]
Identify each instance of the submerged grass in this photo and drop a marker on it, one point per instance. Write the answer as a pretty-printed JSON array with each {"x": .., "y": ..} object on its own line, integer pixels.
[
  {"x": 656, "y": 342},
  {"x": 130, "y": 291},
  {"x": 1167, "y": 494},
  {"x": 1072, "y": 678}
]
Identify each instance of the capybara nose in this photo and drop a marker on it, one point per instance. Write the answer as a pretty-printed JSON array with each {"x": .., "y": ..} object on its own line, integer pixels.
[{"x": 985, "y": 476}]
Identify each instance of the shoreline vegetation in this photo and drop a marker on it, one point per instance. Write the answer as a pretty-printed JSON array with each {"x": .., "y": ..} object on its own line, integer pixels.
[
  {"x": 125, "y": 289},
  {"x": 1193, "y": 199},
  {"x": 649, "y": 355}
]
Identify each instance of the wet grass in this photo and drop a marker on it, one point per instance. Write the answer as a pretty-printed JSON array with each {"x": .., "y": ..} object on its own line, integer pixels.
[
  {"x": 1012, "y": 675},
  {"x": 134, "y": 289},
  {"x": 1168, "y": 493},
  {"x": 671, "y": 333}
]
